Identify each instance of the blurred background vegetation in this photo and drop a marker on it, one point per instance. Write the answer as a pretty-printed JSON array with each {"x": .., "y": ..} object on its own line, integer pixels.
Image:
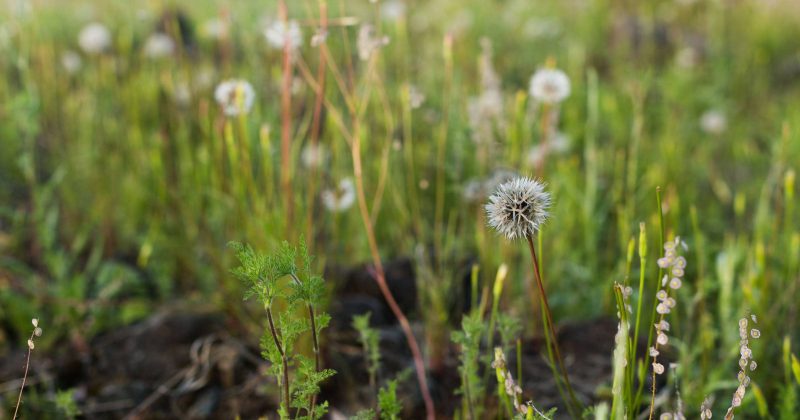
[{"x": 121, "y": 181}]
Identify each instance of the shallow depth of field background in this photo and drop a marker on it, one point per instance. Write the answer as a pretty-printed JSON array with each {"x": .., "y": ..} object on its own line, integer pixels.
[{"x": 122, "y": 181}]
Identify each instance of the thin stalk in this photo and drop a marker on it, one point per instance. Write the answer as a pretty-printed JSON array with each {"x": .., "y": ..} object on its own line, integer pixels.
[
  {"x": 24, "y": 377},
  {"x": 315, "y": 344},
  {"x": 286, "y": 118},
  {"x": 658, "y": 279},
  {"x": 319, "y": 96},
  {"x": 574, "y": 403},
  {"x": 284, "y": 361},
  {"x": 642, "y": 261},
  {"x": 380, "y": 277}
]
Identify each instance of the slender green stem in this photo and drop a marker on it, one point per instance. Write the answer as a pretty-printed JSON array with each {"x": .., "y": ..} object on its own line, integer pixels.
[{"x": 284, "y": 361}]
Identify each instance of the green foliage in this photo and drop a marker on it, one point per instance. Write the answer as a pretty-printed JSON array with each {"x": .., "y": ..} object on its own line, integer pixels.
[
  {"x": 388, "y": 402},
  {"x": 370, "y": 341},
  {"x": 469, "y": 342},
  {"x": 265, "y": 277},
  {"x": 65, "y": 402}
]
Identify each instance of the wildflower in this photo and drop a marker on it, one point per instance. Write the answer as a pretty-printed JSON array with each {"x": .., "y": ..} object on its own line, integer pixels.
[
  {"x": 319, "y": 37},
  {"x": 549, "y": 86},
  {"x": 313, "y": 155},
  {"x": 215, "y": 28},
  {"x": 518, "y": 208},
  {"x": 235, "y": 96},
  {"x": 415, "y": 97},
  {"x": 279, "y": 33},
  {"x": 714, "y": 122},
  {"x": 341, "y": 198},
  {"x": 94, "y": 38},
  {"x": 658, "y": 368},
  {"x": 393, "y": 10},
  {"x": 558, "y": 144},
  {"x": 368, "y": 41},
  {"x": 654, "y": 352},
  {"x": 675, "y": 283},
  {"x": 662, "y": 339},
  {"x": 71, "y": 61},
  {"x": 30, "y": 344},
  {"x": 159, "y": 45},
  {"x": 705, "y": 410},
  {"x": 755, "y": 333}
]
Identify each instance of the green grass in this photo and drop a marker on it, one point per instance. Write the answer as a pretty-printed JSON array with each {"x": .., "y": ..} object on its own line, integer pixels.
[{"x": 116, "y": 198}]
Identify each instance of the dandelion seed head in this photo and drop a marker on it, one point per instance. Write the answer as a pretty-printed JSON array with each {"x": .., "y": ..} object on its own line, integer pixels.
[
  {"x": 71, "y": 61},
  {"x": 369, "y": 42},
  {"x": 714, "y": 122},
  {"x": 235, "y": 96},
  {"x": 313, "y": 155},
  {"x": 518, "y": 208},
  {"x": 549, "y": 86},
  {"x": 279, "y": 33},
  {"x": 159, "y": 45},
  {"x": 94, "y": 38},
  {"x": 341, "y": 198}
]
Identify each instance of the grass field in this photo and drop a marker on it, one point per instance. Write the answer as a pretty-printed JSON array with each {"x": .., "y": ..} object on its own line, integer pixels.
[{"x": 139, "y": 139}]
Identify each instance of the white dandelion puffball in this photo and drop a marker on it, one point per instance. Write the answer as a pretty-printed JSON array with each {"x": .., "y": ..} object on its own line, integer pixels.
[
  {"x": 550, "y": 86},
  {"x": 235, "y": 96},
  {"x": 341, "y": 198},
  {"x": 214, "y": 29},
  {"x": 314, "y": 155},
  {"x": 714, "y": 122},
  {"x": 278, "y": 33},
  {"x": 369, "y": 42},
  {"x": 518, "y": 208},
  {"x": 71, "y": 61},
  {"x": 159, "y": 45},
  {"x": 94, "y": 38},
  {"x": 393, "y": 10}
]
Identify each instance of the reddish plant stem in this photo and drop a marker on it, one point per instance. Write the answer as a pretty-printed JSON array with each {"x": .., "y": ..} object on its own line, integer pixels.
[
  {"x": 380, "y": 278},
  {"x": 551, "y": 330},
  {"x": 316, "y": 122},
  {"x": 286, "y": 117}
]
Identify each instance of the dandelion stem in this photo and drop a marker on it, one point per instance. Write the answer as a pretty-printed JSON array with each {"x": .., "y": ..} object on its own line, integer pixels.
[{"x": 549, "y": 329}]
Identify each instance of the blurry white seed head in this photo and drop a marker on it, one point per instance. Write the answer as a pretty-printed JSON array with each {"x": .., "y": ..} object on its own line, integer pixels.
[
  {"x": 341, "y": 198},
  {"x": 94, "y": 38},
  {"x": 369, "y": 42},
  {"x": 313, "y": 155},
  {"x": 714, "y": 122},
  {"x": 235, "y": 96},
  {"x": 518, "y": 208},
  {"x": 549, "y": 86},
  {"x": 278, "y": 33},
  {"x": 71, "y": 61},
  {"x": 159, "y": 45}
]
